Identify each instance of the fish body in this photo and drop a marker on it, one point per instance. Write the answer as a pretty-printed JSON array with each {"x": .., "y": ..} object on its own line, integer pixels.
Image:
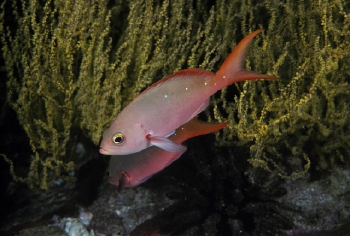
[
  {"x": 167, "y": 104},
  {"x": 134, "y": 169}
]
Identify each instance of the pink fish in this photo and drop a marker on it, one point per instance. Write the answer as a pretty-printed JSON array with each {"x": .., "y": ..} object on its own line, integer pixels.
[
  {"x": 167, "y": 104},
  {"x": 134, "y": 169}
]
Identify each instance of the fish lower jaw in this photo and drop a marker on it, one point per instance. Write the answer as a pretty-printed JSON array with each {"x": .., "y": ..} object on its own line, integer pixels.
[{"x": 104, "y": 152}]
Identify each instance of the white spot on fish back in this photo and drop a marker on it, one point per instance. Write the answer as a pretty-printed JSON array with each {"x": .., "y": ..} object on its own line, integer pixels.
[
  {"x": 165, "y": 96},
  {"x": 205, "y": 83},
  {"x": 224, "y": 77},
  {"x": 186, "y": 88}
]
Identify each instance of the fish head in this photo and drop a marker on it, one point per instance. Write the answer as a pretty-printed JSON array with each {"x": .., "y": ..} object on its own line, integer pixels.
[
  {"x": 113, "y": 178},
  {"x": 119, "y": 139},
  {"x": 115, "y": 169}
]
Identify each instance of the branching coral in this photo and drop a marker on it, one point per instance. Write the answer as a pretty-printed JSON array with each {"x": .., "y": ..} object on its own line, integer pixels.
[
  {"x": 306, "y": 115},
  {"x": 72, "y": 65},
  {"x": 45, "y": 57}
]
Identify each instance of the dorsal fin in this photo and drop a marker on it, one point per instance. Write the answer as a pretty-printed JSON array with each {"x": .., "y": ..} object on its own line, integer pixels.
[{"x": 195, "y": 73}]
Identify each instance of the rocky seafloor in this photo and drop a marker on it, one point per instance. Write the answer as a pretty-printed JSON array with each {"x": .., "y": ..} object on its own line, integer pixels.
[{"x": 196, "y": 195}]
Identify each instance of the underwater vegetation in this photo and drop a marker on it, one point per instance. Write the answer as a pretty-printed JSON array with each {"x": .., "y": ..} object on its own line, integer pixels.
[{"x": 73, "y": 65}]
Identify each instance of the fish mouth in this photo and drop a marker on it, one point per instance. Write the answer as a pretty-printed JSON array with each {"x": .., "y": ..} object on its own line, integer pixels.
[{"x": 103, "y": 151}]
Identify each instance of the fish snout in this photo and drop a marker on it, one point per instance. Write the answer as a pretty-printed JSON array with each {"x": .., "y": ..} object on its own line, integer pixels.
[{"x": 103, "y": 151}]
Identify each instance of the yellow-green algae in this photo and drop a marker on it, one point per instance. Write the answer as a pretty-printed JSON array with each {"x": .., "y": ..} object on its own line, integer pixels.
[{"x": 73, "y": 65}]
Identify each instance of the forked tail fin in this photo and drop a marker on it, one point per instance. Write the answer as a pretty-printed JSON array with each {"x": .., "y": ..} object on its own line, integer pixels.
[{"x": 232, "y": 70}]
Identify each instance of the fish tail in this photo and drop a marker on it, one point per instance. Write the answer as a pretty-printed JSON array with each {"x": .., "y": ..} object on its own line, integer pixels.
[{"x": 232, "y": 70}]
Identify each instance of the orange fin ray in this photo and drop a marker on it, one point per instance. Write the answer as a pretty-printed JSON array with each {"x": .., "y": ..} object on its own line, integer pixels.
[{"x": 232, "y": 70}]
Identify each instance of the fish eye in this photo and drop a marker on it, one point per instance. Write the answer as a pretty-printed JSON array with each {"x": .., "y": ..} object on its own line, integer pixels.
[{"x": 118, "y": 138}]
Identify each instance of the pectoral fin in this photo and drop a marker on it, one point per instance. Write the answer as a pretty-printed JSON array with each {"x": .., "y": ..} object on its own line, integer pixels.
[
  {"x": 166, "y": 144},
  {"x": 124, "y": 179}
]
